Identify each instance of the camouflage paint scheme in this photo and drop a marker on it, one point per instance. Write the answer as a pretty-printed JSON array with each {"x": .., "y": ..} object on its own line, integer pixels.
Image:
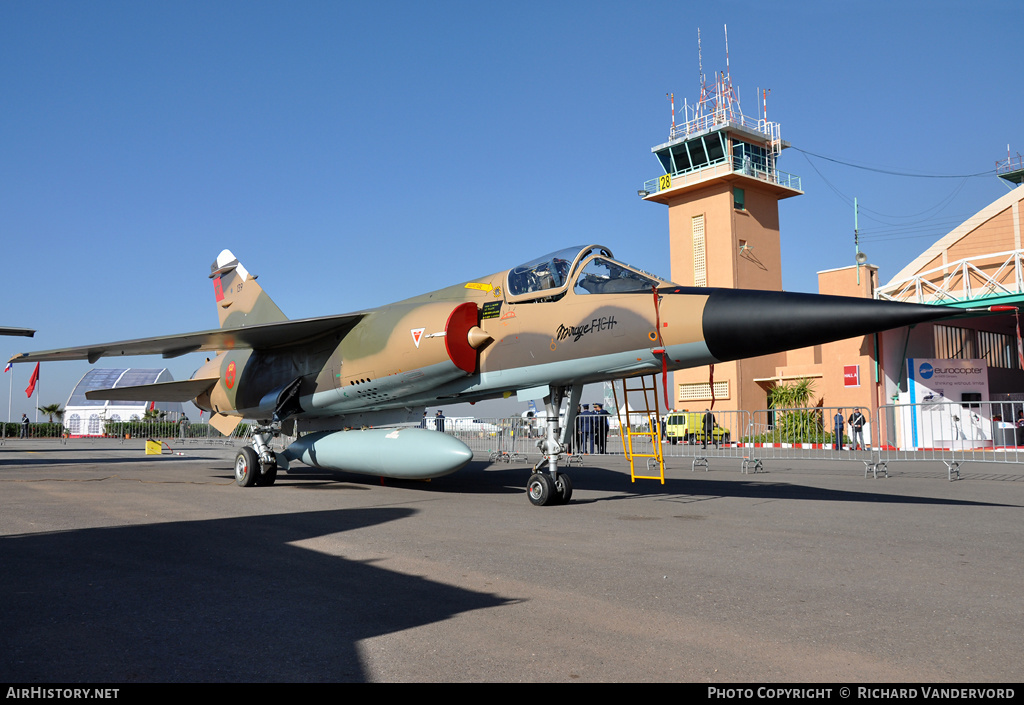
[
  {"x": 415, "y": 353},
  {"x": 572, "y": 317}
]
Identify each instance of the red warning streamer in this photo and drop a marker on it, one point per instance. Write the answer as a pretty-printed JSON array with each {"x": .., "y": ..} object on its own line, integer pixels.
[{"x": 661, "y": 347}]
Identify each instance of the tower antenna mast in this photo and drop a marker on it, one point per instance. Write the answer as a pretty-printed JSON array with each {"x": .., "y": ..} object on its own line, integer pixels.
[
  {"x": 728, "y": 73},
  {"x": 700, "y": 60}
]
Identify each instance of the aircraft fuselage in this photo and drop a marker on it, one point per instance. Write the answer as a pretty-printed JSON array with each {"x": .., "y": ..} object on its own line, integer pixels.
[{"x": 413, "y": 354}]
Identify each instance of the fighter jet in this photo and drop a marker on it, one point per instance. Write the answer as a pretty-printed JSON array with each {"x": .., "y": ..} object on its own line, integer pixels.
[{"x": 353, "y": 387}]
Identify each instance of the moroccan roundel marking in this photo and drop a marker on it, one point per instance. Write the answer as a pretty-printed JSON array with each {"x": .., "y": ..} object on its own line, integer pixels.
[{"x": 229, "y": 375}]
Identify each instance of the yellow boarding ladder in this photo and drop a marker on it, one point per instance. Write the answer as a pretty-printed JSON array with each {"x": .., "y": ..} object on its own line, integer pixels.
[{"x": 635, "y": 443}]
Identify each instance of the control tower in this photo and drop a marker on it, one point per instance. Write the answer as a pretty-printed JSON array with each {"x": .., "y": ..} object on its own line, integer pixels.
[
  {"x": 722, "y": 189},
  {"x": 1012, "y": 168}
]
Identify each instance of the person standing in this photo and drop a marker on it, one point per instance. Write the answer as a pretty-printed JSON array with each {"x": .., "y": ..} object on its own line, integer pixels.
[
  {"x": 589, "y": 428},
  {"x": 857, "y": 422},
  {"x": 439, "y": 421},
  {"x": 601, "y": 430},
  {"x": 578, "y": 431},
  {"x": 837, "y": 422},
  {"x": 24, "y": 426},
  {"x": 708, "y": 430}
]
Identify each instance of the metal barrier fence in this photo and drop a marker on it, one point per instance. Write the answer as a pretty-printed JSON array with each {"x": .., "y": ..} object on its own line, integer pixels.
[
  {"x": 952, "y": 433},
  {"x": 123, "y": 430},
  {"x": 817, "y": 433},
  {"x": 985, "y": 432},
  {"x": 32, "y": 430},
  {"x": 703, "y": 436},
  {"x": 514, "y": 439},
  {"x": 741, "y": 436},
  {"x": 940, "y": 431}
]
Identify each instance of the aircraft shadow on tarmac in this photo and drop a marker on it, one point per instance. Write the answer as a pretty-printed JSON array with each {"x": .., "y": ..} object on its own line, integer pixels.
[
  {"x": 480, "y": 477},
  {"x": 227, "y": 600}
]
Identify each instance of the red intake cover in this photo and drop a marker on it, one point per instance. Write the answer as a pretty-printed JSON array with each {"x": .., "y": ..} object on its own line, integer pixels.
[{"x": 456, "y": 336}]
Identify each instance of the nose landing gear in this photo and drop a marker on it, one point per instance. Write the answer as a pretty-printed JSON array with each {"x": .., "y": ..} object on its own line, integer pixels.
[{"x": 548, "y": 486}]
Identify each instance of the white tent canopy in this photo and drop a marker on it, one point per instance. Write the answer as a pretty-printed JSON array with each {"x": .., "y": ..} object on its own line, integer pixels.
[{"x": 86, "y": 417}]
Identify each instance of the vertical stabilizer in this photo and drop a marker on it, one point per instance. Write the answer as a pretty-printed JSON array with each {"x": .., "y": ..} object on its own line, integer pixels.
[{"x": 240, "y": 300}]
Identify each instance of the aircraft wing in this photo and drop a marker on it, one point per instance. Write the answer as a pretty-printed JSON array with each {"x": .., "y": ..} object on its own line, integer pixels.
[
  {"x": 27, "y": 332},
  {"x": 261, "y": 336},
  {"x": 183, "y": 390}
]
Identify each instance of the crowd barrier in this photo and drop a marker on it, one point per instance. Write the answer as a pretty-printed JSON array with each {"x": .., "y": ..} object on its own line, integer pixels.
[
  {"x": 953, "y": 434},
  {"x": 940, "y": 430},
  {"x": 123, "y": 430}
]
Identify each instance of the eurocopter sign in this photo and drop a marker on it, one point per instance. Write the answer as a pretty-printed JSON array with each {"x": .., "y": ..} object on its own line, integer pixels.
[
  {"x": 947, "y": 378},
  {"x": 942, "y": 394}
]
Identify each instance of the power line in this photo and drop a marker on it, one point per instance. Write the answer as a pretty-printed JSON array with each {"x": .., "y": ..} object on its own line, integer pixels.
[
  {"x": 941, "y": 205},
  {"x": 990, "y": 172}
]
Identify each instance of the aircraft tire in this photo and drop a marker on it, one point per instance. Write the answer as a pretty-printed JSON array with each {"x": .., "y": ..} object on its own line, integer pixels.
[
  {"x": 247, "y": 467},
  {"x": 563, "y": 489},
  {"x": 540, "y": 489},
  {"x": 269, "y": 476}
]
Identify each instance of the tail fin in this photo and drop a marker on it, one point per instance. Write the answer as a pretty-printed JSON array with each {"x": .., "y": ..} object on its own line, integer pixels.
[{"x": 240, "y": 300}]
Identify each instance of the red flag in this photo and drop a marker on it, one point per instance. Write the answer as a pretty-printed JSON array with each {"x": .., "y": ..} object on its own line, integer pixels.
[
  {"x": 152, "y": 405},
  {"x": 32, "y": 382}
]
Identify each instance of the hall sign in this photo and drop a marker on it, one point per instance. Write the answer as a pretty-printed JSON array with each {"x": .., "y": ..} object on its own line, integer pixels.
[{"x": 851, "y": 375}]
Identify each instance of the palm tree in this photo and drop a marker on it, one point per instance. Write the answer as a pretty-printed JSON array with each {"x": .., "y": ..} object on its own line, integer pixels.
[
  {"x": 52, "y": 410},
  {"x": 794, "y": 423},
  {"x": 791, "y": 396}
]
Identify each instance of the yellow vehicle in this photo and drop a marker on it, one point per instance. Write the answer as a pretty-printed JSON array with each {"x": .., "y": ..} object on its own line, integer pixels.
[{"x": 687, "y": 427}]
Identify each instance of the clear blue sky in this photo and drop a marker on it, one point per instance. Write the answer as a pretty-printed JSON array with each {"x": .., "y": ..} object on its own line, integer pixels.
[{"x": 353, "y": 154}]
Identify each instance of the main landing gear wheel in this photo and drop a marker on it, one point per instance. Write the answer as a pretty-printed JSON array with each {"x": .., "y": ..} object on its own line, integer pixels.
[
  {"x": 542, "y": 490},
  {"x": 563, "y": 488},
  {"x": 247, "y": 467},
  {"x": 269, "y": 476}
]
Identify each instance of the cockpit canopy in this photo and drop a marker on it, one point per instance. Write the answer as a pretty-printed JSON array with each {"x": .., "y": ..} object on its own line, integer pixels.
[{"x": 589, "y": 270}]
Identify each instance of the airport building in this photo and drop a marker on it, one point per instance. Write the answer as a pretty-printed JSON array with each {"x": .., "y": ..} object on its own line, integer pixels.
[
  {"x": 722, "y": 187},
  {"x": 977, "y": 265},
  {"x": 86, "y": 417}
]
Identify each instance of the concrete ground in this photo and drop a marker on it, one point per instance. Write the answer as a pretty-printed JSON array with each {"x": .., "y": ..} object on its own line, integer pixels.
[{"x": 120, "y": 567}]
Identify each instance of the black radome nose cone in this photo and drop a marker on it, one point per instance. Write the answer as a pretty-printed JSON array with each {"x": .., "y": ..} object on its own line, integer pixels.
[{"x": 742, "y": 323}]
